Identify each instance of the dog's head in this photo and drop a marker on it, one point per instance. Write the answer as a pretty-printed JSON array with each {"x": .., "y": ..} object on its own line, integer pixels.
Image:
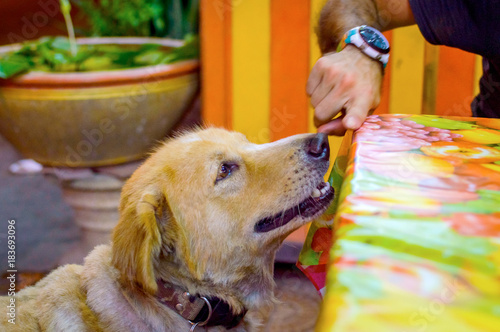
[{"x": 209, "y": 206}]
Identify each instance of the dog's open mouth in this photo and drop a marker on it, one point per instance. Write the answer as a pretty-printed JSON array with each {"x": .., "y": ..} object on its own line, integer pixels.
[{"x": 319, "y": 200}]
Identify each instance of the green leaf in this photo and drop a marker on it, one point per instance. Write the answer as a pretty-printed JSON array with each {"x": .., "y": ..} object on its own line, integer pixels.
[
  {"x": 309, "y": 257},
  {"x": 60, "y": 58},
  {"x": 60, "y": 43},
  {"x": 83, "y": 53},
  {"x": 190, "y": 50},
  {"x": 54, "y": 54},
  {"x": 149, "y": 58},
  {"x": 149, "y": 47},
  {"x": 46, "y": 54},
  {"x": 96, "y": 63},
  {"x": 12, "y": 65}
]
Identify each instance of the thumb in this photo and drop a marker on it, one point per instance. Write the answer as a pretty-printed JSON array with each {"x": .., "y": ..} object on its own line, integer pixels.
[{"x": 356, "y": 114}]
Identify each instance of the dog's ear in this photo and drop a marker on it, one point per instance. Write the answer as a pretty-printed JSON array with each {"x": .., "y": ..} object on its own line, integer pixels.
[{"x": 137, "y": 238}]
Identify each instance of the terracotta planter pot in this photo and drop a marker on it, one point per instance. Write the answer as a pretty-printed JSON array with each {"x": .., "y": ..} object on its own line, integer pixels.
[{"x": 84, "y": 119}]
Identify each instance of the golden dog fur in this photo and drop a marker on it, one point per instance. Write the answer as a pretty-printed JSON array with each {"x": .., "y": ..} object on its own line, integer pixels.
[{"x": 179, "y": 224}]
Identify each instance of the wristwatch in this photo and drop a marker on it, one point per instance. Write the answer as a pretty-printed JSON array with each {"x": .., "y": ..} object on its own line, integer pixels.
[{"x": 369, "y": 40}]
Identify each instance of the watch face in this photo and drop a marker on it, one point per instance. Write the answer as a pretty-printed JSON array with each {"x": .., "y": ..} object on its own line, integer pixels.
[{"x": 375, "y": 39}]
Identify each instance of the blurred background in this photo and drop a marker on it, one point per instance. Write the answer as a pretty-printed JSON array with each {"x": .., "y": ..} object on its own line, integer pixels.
[{"x": 255, "y": 59}]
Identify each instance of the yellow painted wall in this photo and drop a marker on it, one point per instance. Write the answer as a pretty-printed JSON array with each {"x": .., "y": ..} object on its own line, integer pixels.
[
  {"x": 251, "y": 68},
  {"x": 478, "y": 72},
  {"x": 407, "y": 67}
]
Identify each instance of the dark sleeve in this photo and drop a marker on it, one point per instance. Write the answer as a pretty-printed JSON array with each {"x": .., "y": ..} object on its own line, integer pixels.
[{"x": 471, "y": 25}]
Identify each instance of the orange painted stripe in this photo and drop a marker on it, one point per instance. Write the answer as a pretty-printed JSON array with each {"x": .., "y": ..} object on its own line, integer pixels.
[
  {"x": 383, "y": 107},
  {"x": 290, "y": 45},
  {"x": 289, "y": 68},
  {"x": 456, "y": 82},
  {"x": 215, "y": 27}
]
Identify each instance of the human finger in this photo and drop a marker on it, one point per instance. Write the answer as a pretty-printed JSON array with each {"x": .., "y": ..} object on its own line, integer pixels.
[
  {"x": 356, "y": 113},
  {"x": 329, "y": 107},
  {"x": 333, "y": 127},
  {"x": 314, "y": 80}
]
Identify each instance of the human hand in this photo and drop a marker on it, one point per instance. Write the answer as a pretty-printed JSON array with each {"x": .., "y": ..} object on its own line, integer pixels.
[{"x": 347, "y": 82}]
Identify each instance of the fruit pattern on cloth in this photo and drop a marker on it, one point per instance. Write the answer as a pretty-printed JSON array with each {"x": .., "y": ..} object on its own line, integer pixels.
[{"x": 414, "y": 231}]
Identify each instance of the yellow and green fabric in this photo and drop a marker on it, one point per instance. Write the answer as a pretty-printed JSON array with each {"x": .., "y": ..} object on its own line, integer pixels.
[{"x": 412, "y": 242}]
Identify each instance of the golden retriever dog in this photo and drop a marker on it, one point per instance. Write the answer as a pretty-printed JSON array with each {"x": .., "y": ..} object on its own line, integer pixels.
[{"x": 200, "y": 223}]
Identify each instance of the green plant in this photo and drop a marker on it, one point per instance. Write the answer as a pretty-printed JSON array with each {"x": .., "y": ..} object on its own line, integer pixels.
[
  {"x": 58, "y": 54},
  {"x": 54, "y": 54},
  {"x": 159, "y": 18}
]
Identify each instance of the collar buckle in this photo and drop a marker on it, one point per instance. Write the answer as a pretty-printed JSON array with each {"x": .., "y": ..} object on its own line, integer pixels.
[
  {"x": 196, "y": 309},
  {"x": 205, "y": 322}
]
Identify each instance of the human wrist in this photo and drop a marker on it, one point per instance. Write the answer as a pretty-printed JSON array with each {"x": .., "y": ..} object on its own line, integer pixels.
[
  {"x": 369, "y": 41},
  {"x": 356, "y": 55}
]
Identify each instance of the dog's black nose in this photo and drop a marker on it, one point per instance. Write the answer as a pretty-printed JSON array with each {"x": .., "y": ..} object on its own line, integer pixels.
[{"x": 318, "y": 147}]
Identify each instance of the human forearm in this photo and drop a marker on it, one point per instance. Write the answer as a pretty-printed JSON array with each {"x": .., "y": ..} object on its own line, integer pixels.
[
  {"x": 345, "y": 86},
  {"x": 338, "y": 16}
]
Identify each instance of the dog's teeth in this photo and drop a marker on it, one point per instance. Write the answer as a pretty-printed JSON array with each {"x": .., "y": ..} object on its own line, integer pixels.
[
  {"x": 325, "y": 188},
  {"x": 316, "y": 193}
]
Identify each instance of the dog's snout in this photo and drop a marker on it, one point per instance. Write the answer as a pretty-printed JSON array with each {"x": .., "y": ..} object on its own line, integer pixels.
[{"x": 318, "y": 147}]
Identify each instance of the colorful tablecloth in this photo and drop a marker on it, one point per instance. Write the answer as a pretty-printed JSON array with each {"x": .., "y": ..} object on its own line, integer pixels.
[{"x": 416, "y": 228}]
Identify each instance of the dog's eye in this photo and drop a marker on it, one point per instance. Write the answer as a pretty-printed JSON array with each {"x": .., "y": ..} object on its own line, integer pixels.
[{"x": 225, "y": 169}]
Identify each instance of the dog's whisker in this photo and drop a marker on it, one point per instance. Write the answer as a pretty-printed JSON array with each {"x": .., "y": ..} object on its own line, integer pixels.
[{"x": 281, "y": 218}]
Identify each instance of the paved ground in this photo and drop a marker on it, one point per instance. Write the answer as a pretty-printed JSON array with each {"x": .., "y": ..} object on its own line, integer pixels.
[{"x": 44, "y": 226}]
